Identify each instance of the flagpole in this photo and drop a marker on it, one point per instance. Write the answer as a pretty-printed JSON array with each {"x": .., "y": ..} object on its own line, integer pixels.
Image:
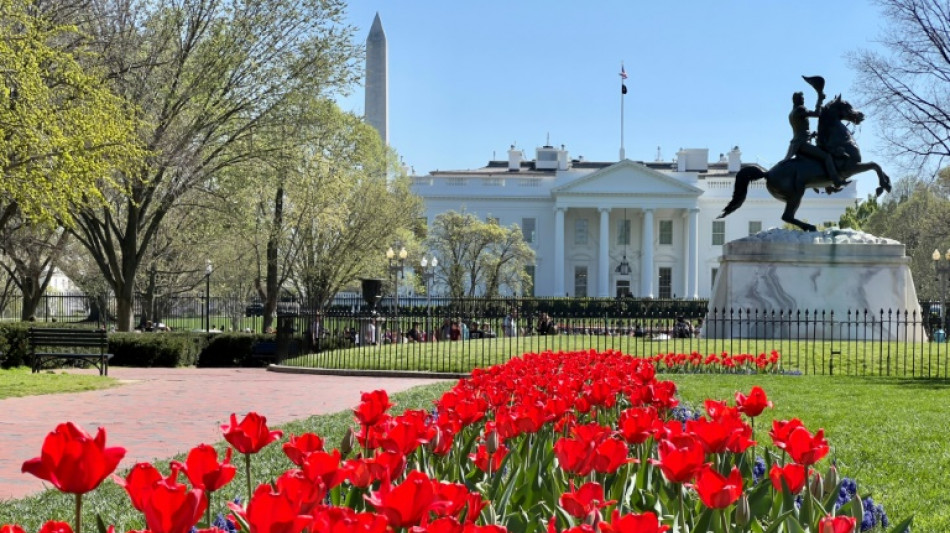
[{"x": 623, "y": 92}]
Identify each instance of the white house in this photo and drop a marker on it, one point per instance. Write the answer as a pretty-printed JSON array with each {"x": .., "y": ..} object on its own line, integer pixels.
[{"x": 609, "y": 228}]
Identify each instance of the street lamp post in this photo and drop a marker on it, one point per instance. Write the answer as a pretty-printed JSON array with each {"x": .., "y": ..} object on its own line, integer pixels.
[
  {"x": 942, "y": 267},
  {"x": 208, "y": 296},
  {"x": 397, "y": 264},
  {"x": 426, "y": 273}
]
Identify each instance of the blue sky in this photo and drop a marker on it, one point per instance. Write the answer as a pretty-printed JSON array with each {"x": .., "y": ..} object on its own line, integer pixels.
[{"x": 468, "y": 79}]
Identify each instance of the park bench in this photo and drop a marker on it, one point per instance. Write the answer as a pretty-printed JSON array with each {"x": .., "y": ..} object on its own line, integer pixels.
[{"x": 85, "y": 345}]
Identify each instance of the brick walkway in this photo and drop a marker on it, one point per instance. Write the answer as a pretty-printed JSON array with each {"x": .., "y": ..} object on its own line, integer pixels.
[{"x": 160, "y": 412}]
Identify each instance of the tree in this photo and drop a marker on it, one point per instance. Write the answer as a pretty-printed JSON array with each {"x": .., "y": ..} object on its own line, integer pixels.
[
  {"x": 207, "y": 76},
  {"x": 32, "y": 253},
  {"x": 857, "y": 216},
  {"x": 907, "y": 86},
  {"x": 478, "y": 258},
  {"x": 350, "y": 209},
  {"x": 921, "y": 221},
  {"x": 64, "y": 132}
]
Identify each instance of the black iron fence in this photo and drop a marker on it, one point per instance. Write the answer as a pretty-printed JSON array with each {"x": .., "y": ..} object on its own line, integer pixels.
[{"x": 458, "y": 335}]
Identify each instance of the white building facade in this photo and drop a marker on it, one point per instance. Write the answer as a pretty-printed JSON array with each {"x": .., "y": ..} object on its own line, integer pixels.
[{"x": 604, "y": 229}]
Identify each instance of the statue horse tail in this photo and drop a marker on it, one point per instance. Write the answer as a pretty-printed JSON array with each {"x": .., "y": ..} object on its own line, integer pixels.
[{"x": 743, "y": 178}]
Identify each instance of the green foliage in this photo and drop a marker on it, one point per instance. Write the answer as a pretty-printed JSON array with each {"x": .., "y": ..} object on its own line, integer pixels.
[
  {"x": 155, "y": 349},
  {"x": 14, "y": 344},
  {"x": 232, "y": 350},
  {"x": 478, "y": 258},
  {"x": 857, "y": 216},
  {"x": 51, "y": 166},
  {"x": 920, "y": 219}
]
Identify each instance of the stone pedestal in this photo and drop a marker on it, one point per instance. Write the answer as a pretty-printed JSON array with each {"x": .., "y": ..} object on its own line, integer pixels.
[{"x": 787, "y": 273}]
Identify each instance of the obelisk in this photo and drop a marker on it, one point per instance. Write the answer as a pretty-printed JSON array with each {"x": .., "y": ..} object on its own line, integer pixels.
[{"x": 377, "y": 84}]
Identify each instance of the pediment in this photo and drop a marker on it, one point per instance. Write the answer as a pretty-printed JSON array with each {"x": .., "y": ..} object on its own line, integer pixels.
[{"x": 627, "y": 178}]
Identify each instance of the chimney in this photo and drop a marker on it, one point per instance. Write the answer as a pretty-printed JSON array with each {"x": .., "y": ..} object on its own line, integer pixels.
[
  {"x": 514, "y": 159},
  {"x": 735, "y": 159},
  {"x": 562, "y": 159}
]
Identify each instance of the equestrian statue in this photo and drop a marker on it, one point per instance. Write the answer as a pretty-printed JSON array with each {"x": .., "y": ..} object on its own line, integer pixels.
[{"x": 827, "y": 164}]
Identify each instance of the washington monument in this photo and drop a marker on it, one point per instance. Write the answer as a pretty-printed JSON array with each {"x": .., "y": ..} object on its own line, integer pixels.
[{"x": 377, "y": 84}]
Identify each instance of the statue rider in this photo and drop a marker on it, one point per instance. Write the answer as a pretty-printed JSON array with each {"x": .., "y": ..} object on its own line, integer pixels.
[{"x": 800, "y": 144}]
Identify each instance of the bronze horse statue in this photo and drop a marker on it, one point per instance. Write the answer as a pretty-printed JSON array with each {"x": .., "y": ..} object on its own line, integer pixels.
[{"x": 787, "y": 181}]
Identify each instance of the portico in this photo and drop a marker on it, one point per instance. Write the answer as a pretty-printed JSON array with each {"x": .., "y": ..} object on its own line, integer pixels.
[{"x": 666, "y": 260}]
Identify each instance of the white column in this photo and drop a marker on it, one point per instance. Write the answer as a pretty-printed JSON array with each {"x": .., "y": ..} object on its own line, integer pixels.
[
  {"x": 692, "y": 254},
  {"x": 646, "y": 256},
  {"x": 559, "y": 250},
  {"x": 603, "y": 262}
]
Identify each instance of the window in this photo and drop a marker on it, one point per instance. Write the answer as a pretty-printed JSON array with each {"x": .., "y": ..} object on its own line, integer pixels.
[
  {"x": 529, "y": 288},
  {"x": 580, "y": 281},
  {"x": 580, "y": 231},
  {"x": 712, "y": 278},
  {"x": 718, "y": 232},
  {"x": 623, "y": 288},
  {"x": 755, "y": 226},
  {"x": 528, "y": 226},
  {"x": 623, "y": 232},
  {"x": 666, "y": 282},
  {"x": 666, "y": 232}
]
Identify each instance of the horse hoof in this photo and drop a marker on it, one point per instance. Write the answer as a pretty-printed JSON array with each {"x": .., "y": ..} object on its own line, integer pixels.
[{"x": 879, "y": 191}]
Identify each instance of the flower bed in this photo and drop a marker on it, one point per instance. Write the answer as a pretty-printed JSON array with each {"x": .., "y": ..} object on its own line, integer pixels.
[{"x": 579, "y": 442}]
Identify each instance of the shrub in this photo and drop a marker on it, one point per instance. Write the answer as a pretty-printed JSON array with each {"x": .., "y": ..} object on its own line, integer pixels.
[
  {"x": 231, "y": 349},
  {"x": 155, "y": 349},
  {"x": 14, "y": 344}
]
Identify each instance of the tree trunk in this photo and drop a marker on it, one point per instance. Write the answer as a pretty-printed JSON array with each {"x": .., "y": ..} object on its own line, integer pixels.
[{"x": 270, "y": 291}]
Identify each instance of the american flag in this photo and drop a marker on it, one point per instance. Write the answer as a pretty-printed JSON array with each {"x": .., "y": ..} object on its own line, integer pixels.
[{"x": 623, "y": 73}]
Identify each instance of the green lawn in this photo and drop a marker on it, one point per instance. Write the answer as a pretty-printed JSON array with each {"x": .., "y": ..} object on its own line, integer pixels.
[
  {"x": 887, "y": 433},
  {"x": 17, "y": 382}
]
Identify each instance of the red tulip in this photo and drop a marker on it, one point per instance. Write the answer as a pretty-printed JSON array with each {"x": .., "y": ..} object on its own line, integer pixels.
[
  {"x": 794, "y": 475},
  {"x": 454, "y": 495},
  {"x": 633, "y": 523},
  {"x": 11, "y": 528},
  {"x": 407, "y": 504},
  {"x": 325, "y": 467},
  {"x": 636, "y": 424},
  {"x": 805, "y": 448},
  {"x": 680, "y": 457},
  {"x": 485, "y": 461},
  {"x": 753, "y": 404},
  {"x": 305, "y": 492},
  {"x": 386, "y": 466},
  {"x": 73, "y": 461},
  {"x": 139, "y": 481},
  {"x": 204, "y": 471},
  {"x": 171, "y": 508},
  {"x": 55, "y": 527},
  {"x": 271, "y": 511},
  {"x": 251, "y": 435},
  {"x": 781, "y": 429},
  {"x": 585, "y": 500},
  {"x": 372, "y": 408},
  {"x": 346, "y": 520},
  {"x": 609, "y": 456},
  {"x": 837, "y": 524},
  {"x": 717, "y": 491},
  {"x": 299, "y": 446},
  {"x": 406, "y": 433},
  {"x": 445, "y": 524}
]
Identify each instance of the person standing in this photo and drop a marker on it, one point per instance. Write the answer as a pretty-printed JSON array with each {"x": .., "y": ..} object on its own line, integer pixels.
[{"x": 510, "y": 324}]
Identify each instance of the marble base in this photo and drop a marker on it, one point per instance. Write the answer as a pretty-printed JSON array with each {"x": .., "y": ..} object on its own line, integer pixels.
[{"x": 789, "y": 271}]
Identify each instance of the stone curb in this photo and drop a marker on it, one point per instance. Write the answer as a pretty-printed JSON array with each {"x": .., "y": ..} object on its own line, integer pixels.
[{"x": 365, "y": 373}]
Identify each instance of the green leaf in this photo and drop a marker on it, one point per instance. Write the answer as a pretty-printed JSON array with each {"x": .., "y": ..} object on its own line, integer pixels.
[{"x": 902, "y": 526}]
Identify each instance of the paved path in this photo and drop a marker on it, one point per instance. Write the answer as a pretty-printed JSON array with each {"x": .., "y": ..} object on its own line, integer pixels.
[{"x": 160, "y": 412}]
